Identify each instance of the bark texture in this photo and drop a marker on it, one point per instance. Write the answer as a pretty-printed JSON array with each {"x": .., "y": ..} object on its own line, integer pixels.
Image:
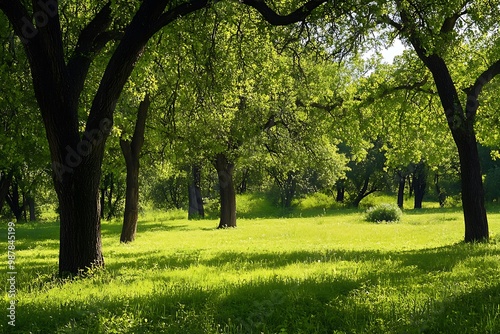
[{"x": 227, "y": 192}]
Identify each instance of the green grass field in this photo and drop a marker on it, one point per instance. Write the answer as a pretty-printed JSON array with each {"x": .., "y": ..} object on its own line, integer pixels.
[{"x": 329, "y": 273}]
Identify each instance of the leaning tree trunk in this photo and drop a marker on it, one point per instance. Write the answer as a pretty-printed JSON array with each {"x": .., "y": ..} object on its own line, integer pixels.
[
  {"x": 461, "y": 124},
  {"x": 131, "y": 151},
  {"x": 363, "y": 192},
  {"x": 227, "y": 192}
]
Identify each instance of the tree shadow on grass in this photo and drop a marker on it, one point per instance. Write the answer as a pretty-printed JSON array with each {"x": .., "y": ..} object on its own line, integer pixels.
[
  {"x": 116, "y": 228},
  {"x": 28, "y": 236},
  {"x": 319, "y": 304},
  {"x": 427, "y": 260},
  {"x": 239, "y": 308}
]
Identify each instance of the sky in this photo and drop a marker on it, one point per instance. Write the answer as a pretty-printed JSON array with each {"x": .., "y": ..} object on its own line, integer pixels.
[{"x": 395, "y": 50}]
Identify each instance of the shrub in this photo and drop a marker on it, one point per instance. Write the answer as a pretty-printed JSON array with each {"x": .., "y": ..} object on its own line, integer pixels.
[{"x": 384, "y": 212}]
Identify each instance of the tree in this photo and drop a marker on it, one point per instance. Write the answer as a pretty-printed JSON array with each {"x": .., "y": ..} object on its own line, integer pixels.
[
  {"x": 195, "y": 208},
  {"x": 436, "y": 32},
  {"x": 243, "y": 84},
  {"x": 131, "y": 149},
  {"x": 58, "y": 84},
  {"x": 23, "y": 162},
  {"x": 77, "y": 158},
  {"x": 367, "y": 176}
]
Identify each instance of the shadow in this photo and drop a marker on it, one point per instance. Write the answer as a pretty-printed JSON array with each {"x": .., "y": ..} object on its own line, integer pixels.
[
  {"x": 424, "y": 211},
  {"x": 115, "y": 228},
  {"x": 244, "y": 308},
  {"x": 32, "y": 235},
  {"x": 425, "y": 261},
  {"x": 326, "y": 303},
  {"x": 459, "y": 312}
]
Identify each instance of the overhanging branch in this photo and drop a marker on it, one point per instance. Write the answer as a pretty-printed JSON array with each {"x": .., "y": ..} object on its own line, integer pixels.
[
  {"x": 483, "y": 79},
  {"x": 474, "y": 91},
  {"x": 15, "y": 12},
  {"x": 177, "y": 12},
  {"x": 279, "y": 20}
]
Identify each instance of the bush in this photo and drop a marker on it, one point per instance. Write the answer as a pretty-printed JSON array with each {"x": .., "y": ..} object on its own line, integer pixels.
[{"x": 384, "y": 212}]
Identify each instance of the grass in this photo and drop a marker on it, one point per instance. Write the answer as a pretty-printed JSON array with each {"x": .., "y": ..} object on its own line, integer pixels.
[{"x": 332, "y": 273}]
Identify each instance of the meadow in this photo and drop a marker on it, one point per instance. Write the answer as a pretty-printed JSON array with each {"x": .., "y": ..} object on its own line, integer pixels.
[{"x": 313, "y": 271}]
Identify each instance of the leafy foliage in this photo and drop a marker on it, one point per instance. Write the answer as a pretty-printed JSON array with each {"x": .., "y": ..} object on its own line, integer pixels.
[{"x": 384, "y": 212}]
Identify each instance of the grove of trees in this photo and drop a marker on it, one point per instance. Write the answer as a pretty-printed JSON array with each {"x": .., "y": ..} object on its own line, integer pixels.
[{"x": 212, "y": 98}]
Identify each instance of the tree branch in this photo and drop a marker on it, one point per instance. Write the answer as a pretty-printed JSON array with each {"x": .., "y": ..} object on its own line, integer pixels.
[
  {"x": 15, "y": 12},
  {"x": 449, "y": 22},
  {"x": 386, "y": 19},
  {"x": 474, "y": 91},
  {"x": 177, "y": 12},
  {"x": 140, "y": 126},
  {"x": 91, "y": 40},
  {"x": 483, "y": 79},
  {"x": 279, "y": 20}
]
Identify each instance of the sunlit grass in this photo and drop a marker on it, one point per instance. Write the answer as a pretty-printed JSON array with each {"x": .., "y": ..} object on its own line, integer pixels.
[{"x": 332, "y": 273}]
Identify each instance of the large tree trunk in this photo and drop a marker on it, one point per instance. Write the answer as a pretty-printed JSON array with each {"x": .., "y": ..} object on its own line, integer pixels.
[
  {"x": 195, "y": 209},
  {"x": 419, "y": 184},
  {"x": 461, "y": 124},
  {"x": 227, "y": 192},
  {"x": 476, "y": 222},
  {"x": 131, "y": 151},
  {"x": 80, "y": 227}
]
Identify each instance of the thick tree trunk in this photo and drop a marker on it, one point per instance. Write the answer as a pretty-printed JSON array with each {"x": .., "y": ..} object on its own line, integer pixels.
[
  {"x": 58, "y": 84},
  {"x": 80, "y": 227},
  {"x": 131, "y": 151},
  {"x": 195, "y": 209},
  {"x": 476, "y": 222},
  {"x": 461, "y": 124},
  {"x": 227, "y": 192},
  {"x": 419, "y": 184}
]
